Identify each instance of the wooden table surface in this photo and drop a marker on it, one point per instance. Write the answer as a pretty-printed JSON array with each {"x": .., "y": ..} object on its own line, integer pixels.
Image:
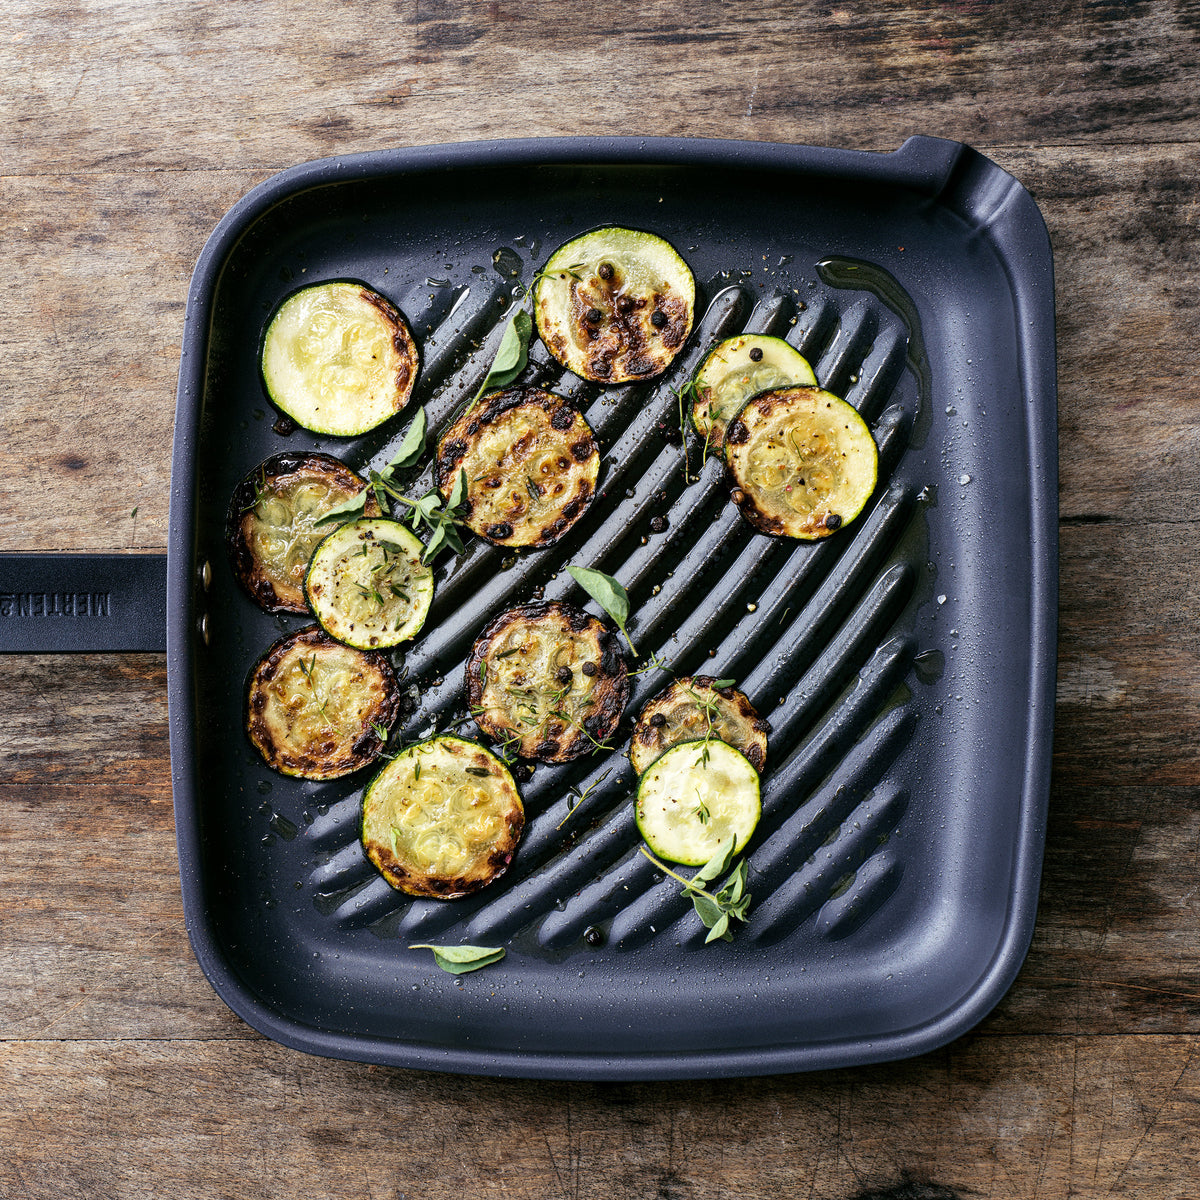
[{"x": 128, "y": 128}]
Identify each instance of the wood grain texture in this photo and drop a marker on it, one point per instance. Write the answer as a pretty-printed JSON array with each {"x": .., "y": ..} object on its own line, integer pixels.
[
  {"x": 1030, "y": 1118},
  {"x": 128, "y": 129}
]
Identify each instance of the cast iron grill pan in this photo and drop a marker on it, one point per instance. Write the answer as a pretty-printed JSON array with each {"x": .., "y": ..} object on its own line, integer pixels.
[{"x": 903, "y": 664}]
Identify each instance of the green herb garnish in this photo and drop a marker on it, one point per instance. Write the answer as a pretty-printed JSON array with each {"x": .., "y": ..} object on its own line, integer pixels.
[
  {"x": 442, "y": 517},
  {"x": 716, "y": 910},
  {"x": 512, "y": 354},
  {"x": 411, "y": 449},
  {"x": 458, "y": 960},
  {"x": 607, "y": 593}
]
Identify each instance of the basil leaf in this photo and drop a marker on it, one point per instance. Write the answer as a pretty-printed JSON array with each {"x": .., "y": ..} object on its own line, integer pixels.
[{"x": 458, "y": 960}]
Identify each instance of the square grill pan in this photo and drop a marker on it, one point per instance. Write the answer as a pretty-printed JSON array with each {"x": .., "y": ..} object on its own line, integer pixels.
[{"x": 906, "y": 665}]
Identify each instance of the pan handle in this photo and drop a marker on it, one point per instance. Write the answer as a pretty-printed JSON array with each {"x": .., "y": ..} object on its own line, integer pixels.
[{"x": 56, "y": 603}]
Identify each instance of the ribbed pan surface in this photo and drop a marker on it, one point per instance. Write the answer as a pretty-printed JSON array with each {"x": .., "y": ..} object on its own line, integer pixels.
[
  {"x": 793, "y": 622},
  {"x": 883, "y": 869}
]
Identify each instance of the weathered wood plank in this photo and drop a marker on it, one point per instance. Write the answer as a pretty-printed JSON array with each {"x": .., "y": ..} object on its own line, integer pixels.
[
  {"x": 267, "y": 84},
  {"x": 1005, "y": 1118}
]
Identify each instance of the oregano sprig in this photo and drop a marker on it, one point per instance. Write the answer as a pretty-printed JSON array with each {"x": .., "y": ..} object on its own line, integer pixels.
[
  {"x": 381, "y": 482},
  {"x": 512, "y": 353},
  {"x": 716, "y": 910}
]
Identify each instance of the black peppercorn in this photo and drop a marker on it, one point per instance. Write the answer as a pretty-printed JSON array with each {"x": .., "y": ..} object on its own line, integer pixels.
[
  {"x": 563, "y": 675},
  {"x": 589, "y": 669},
  {"x": 605, "y": 271},
  {"x": 756, "y": 354},
  {"x": 594, "y": 935},
  {"x": 658, "y": 318},
  {"x": 833, "y": 521},
  {"x": 658, "y": 720},
  {"x": 594, "y": 315},
  {"x": 658, "y": 524}
]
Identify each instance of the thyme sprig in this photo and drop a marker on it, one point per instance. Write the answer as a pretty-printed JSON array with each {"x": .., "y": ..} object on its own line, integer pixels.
[
  {"x": 716, "y": 910},
  {"x": 580, "y": 797}
]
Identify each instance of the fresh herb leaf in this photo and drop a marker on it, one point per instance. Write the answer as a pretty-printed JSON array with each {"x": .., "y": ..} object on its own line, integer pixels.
[
  {"x": 716, "y": 910},
  {"x": 441, "y": 518},
  {"x": 512, "y": 355},
  {"x": 346, "y": 510},
  {"x": 411, "y": 449},
  {"x": 582, "y": 796},
  {"x": 719, "y": 862},
  {"x": 607, "y": 593},
  {"x": 458, "y": 960},
  {"x": 722, "y": 683}
]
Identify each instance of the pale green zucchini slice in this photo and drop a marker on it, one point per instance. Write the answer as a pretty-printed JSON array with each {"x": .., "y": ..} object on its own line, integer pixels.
[
  {"x": 803, "y": 462},
  {"x": 690, "y": 708},
  {"x": 738, "y": 368},
  {"x": 442, "y": 819},
  {"x": 318, "y": 709},
  {"x": 694, "y": 798},
  {"x": 615, "y": 304},
  {"x": 338, "y": 358},
  {"x": 367, "y": 585}
]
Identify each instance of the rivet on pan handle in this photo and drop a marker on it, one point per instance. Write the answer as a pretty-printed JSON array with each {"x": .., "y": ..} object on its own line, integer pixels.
[{"x": 56, "y": 603}]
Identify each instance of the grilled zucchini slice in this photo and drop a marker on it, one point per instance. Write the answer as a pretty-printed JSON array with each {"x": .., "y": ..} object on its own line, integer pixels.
[
  {"x": 803, "y": 462},
  {"x": 531, "y": 462},
  {"x": 693, "y": 708},
  {"x": 694, "y": 797},
  {"x": 271, "y": 528},
  {"x": 547, "y": 680},
  {"x": 738, "y": 368},
  {"x": 367, "y": 585},
  {"x": 338, "y": 358},
  {"x": 442, "y": 819},
  {"x": 318, "y": 709},
  {"x": 615, "y": 304}
]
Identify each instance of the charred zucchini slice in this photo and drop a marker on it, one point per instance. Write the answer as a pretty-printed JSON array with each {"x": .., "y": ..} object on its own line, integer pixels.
[
  {"x": 803, "y": 462},
  {"x": 615, "y": 304},
  {"x": 339, "y": 358},
  {"x": 738, "y": 368},
  {"x": 547, "y": 680},
  {"x": 367, "y": 585},
  {"x": 318, "y": 709},
  {"x": 442, "y": 819},
  {"x": 694, "y": 797},
  {"x": 531, "y": 463},
  {"x": 271, "y": 529},
  {"x": 693, "y": 708}
]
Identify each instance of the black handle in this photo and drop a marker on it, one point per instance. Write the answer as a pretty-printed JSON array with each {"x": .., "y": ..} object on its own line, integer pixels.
[{"x": 54, "y": 603}]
